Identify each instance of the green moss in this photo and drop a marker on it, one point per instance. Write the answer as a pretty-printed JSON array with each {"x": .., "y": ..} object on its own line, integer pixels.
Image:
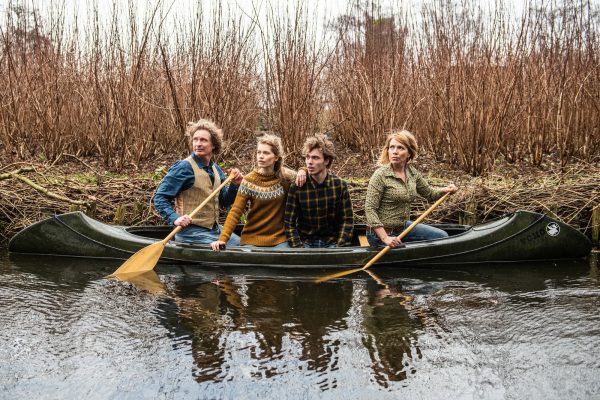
[
  {"x": 359, "y": 181},
  {"x": 114, "y": 175},
  {"x": 84, "y": 178}
]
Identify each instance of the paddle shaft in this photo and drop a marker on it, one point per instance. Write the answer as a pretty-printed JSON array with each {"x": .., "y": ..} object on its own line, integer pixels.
[
  {"x": 209, "y": 198},
  {"x": 405, "y": 232}
]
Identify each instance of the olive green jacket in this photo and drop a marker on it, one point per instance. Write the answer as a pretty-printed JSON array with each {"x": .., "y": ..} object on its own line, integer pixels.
[{"x": 389, "y": 198}]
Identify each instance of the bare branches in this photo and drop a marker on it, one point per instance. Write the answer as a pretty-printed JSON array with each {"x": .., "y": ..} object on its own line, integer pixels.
[
  {"x": 129, "y": 93},
  {"x": 56, "y": 189},
  {"x": 45, "y": 191},
  {"x": 475, "y": 85},
  {"x": 294, "y": 59}
]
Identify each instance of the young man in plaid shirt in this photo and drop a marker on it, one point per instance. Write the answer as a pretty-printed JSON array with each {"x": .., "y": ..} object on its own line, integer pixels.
[{"x": 319, "y": 214}]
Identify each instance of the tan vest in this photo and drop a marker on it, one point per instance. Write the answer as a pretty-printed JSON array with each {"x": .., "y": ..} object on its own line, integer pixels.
[{"x": 189, "y": 199}]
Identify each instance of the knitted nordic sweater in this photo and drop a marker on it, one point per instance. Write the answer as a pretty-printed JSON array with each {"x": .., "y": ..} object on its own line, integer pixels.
[{"x": 264, "y": 223}]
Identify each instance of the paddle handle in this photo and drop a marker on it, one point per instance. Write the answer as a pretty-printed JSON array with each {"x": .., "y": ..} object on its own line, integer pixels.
[
  {"x": 209, "y": 198},
  {"x": 405, "y": 232}
]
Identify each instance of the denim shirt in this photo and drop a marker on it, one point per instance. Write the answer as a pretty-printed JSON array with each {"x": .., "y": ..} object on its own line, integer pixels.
[{"x": 181, "y": 177}]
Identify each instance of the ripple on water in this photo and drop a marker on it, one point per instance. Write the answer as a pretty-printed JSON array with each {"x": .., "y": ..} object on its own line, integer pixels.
[
  {"x": 54, "y": 337},
  {"x": 230, "y": 336},
  {"x": 516, "y": 339}
]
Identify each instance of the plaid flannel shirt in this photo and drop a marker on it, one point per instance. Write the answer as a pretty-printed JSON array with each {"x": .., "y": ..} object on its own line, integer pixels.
[{"x": 319, "y": 211}]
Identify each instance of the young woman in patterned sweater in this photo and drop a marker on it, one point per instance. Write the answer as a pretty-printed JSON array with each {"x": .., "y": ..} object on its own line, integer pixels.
[{"x": 265, "y": 189}]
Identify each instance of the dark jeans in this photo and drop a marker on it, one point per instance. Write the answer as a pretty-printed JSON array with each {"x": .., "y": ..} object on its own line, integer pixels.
[
  {"x": 318, "y": 244},
  {"x": 418, "y": 233},
  {"x": 200, "y": 235}
]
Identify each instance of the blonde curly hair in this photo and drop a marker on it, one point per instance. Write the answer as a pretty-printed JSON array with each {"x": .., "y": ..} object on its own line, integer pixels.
[{"x": 216, "y": 134}]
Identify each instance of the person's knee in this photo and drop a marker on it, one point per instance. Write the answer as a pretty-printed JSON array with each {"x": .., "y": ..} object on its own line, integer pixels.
[{"x": 442, "y": 234}]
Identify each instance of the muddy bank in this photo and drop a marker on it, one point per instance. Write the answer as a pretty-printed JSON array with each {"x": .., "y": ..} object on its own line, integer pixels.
[{"x": 31, "y": 191}]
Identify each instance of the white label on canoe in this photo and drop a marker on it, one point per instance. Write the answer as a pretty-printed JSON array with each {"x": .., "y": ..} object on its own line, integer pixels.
[{"x": 553, "y": 229}]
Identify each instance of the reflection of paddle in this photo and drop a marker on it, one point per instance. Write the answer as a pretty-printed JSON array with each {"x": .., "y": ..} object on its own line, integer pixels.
[
  {"x": 386, "y": 248},
  {"x": 147, "y": 281},
  {"x": 146, "y": 258},
  {"x": 404, "y": 299},
  {"x": 377, "y": 278}
]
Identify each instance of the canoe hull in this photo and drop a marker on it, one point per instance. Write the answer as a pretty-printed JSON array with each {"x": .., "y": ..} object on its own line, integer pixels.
[{"x": 521, "y": 236}]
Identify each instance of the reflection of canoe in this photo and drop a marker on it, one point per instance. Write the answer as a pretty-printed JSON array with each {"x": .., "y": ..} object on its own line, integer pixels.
[{"x": 521, "y": 236}]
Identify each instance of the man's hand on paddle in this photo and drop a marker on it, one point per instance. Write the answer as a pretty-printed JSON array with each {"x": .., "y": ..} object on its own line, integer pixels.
[{"x": 183, "y": 221}]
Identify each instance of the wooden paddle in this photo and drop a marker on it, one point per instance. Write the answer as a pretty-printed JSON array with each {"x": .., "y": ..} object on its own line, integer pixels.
[
  {"x": 386, "y": 248},
  {"x": 146, "y": 258}
]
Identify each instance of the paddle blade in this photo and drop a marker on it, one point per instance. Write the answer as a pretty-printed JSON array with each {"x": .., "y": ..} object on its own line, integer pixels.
[
  {"x": 147, "y": 281},
  {"x": 142, "y": 261},
  {"x": 337, "y": 275}
]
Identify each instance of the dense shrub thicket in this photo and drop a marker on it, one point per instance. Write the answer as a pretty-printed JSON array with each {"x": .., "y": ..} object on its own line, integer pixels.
[{"x": 476, "y": 85}]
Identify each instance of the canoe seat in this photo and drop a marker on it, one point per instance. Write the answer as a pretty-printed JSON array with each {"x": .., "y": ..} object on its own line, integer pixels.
[{"x": 363, "y": 241}]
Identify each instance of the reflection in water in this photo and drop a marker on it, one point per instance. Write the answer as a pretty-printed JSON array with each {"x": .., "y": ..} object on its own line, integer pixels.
[
  {"x": 267, "y": 319},
  {"x": 256, "y": 332},
  {"x": 594, "y": 265},
  {"x": 390, "y": 335},
  {"x": 147, "y": 281}
]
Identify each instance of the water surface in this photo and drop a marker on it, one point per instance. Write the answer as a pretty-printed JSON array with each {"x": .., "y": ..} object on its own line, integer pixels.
[{"x": 490, "y": 332}]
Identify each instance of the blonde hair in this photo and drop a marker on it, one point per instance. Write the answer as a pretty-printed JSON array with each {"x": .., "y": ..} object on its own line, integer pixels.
[
  {"x": 216, "y": 134},
  {"x": 276, "y": 148},
  {"x": 404, "y": 137},
  {"x": 320, "y": 141},
  {"x": 284, "y": 174}
]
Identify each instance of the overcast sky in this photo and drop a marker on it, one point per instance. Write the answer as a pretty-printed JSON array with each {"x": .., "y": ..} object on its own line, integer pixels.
[
  {"x": 320, "y": 12},
  {"x": 323, "y": 10}
]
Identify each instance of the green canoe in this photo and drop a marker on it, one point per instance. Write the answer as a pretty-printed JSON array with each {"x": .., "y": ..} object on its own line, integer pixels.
[{"x": 517, "y": 237}]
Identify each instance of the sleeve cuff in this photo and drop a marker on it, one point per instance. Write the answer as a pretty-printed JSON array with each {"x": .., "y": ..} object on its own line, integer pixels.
[{"x": 172, "y": 219}]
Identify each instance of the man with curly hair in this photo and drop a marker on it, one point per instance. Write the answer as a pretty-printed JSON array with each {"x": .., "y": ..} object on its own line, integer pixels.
[{"x": 192, "y": 180}]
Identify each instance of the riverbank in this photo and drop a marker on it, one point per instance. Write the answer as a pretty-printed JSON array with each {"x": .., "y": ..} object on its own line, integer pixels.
[{"x": 30, "y": 191}]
